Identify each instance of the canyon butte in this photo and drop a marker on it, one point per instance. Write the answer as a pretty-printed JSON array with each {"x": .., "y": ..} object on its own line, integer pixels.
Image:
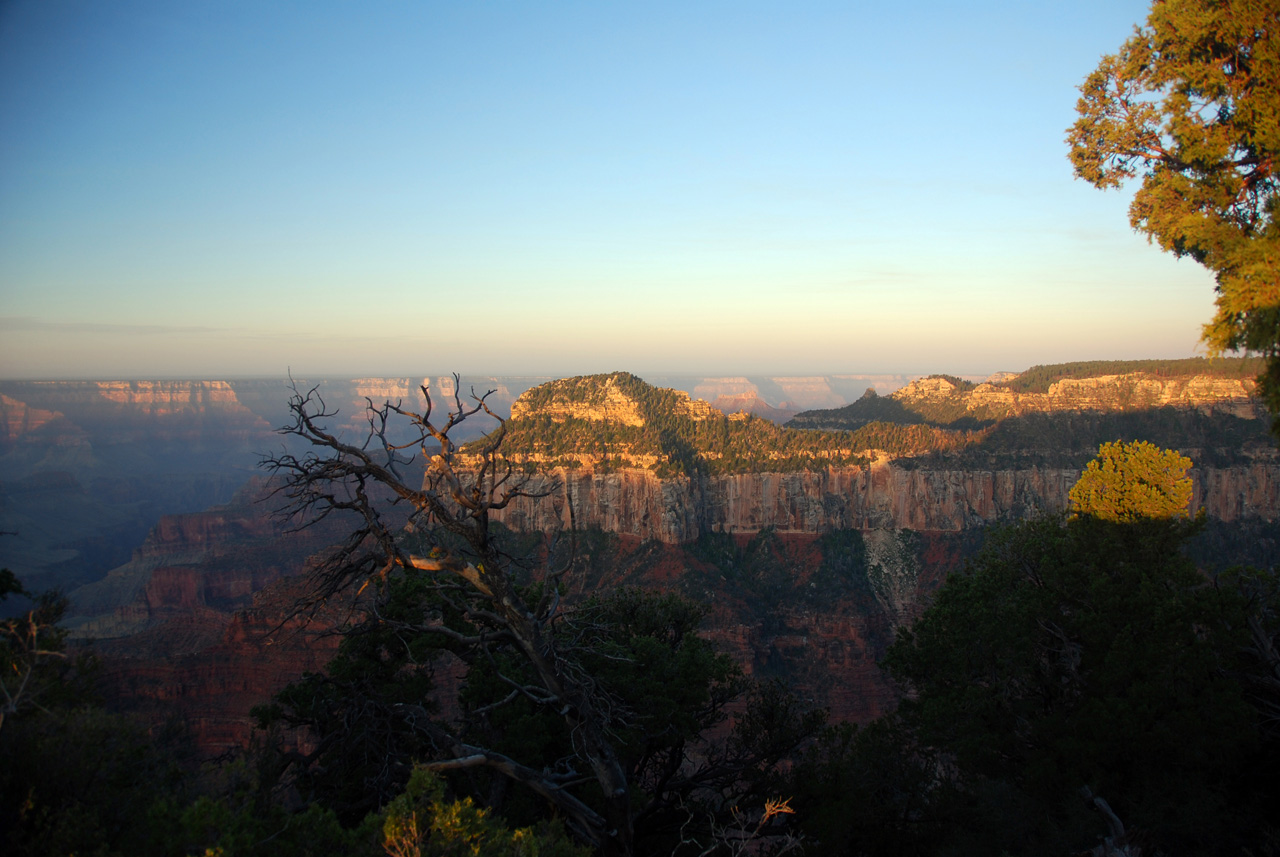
[{"x": 812, "y": 540}]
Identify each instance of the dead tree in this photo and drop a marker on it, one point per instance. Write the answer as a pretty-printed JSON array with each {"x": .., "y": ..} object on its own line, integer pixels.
[
  {"x": 27, "y": 644},
  {"x": 382, "y": 483}
]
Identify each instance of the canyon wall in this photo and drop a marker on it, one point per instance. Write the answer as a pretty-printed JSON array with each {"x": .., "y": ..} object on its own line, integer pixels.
[
  {"x": 880, "y": 496},
  {"x": 87, "y": 468},
  {"x": 204, "y": 563},
  {"x": 1103, "y": 393},
  {"x": 200, "y": 624},
  {"x": 207, "y": 668}
]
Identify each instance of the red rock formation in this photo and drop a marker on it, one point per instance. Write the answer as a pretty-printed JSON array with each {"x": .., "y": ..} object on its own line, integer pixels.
[
  {"x": 209, "y": 668},
  {"x": 822, "y": 637},
  {"x": 214, "y": 559},
  {"x": 145, "y": 412},
  {"x": 197, "y": 626},
  {"x": 17, "y": 418},
  {"x": 189, "y": 652}
]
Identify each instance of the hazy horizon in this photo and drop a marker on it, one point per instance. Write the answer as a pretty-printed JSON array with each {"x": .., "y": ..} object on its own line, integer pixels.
[{"x": 349, "y": 376}]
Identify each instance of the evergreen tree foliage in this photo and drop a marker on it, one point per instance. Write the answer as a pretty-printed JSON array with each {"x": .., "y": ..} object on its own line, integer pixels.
[
  {"x": 74, "y": 778},
  {"x": 1132, "y": 481},
  {"x": 1081, "y": 679},
  {"x": 1190, "y": 106},
  {"x": 670, "y": 688},
  {"x": 421, "y": 823}
]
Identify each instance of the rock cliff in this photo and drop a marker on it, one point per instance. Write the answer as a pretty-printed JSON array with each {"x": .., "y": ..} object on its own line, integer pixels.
[
  {"x": 1218, "y": 388},
  {"x": 880, "y": 496},
  {"x": 206, "y": 562},
  {"x": 207, "y": 668},
  {"x": 1120, "y": 392},
  {"x": 18, "y": 419},
  {"x": 945, "y": 491},
  {"x": 200, "y": 623}
]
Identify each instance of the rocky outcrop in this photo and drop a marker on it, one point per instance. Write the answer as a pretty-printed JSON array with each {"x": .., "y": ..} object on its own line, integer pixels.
[
  {"x": 1104, "y": 393},
  {"x": 201, "y": 625},
  {"x": 1239, "y": 493},
  {"x": 740, "y": 406},
  {"x": 881, "y": 496},
  {"x": 1135, "y": 392},
  {"x": 18, "y": 419},
  {"x": 605, "y": 402},
  {"x": 117, "y": 409},
  {"x": 207, "y": 561},
  {"x": 208, "y": 668},
  {"x": 816, "y": 611},
  {"x": 610, "y": 404},
  {"x": 163, "y": 398}
]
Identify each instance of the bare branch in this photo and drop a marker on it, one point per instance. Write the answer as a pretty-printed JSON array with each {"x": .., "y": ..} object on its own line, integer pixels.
[{"x": 373, "y": 483}]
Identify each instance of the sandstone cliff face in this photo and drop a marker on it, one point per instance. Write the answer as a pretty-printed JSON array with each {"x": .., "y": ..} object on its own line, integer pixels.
[
  {"x": 816, "y": 611},
  {"x": 156, "y": 398},
  {"x": 133, "y": 401},
  {"x": 207, "y": 561},
  {"x": 18, "y": 419},
  {"x": 1130, "y": 392},
  {"x": 881, "y": 496},
  {"x": 208, "y": 668},
  {"x": 33, "y": 439},
  {"x": 1105, "y": 393},
  {"x": 197, "y": 625},
  {"x": 1239, "y": 493}
]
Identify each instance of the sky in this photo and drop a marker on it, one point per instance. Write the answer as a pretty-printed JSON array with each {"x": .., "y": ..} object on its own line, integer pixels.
[{"x": 224, "y": 189}]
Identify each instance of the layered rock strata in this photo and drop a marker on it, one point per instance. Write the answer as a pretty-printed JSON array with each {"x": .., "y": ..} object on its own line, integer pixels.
[
  {"x": 1104, "y": 393},
  {"x": 881, "y": 496}
]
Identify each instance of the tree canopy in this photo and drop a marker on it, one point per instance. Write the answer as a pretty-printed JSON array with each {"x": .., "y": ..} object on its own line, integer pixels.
[
  {"x": 1080, "y": 679},
  {"x": 1131, "y": 481},
  {"x": 1086, "y": 654},
  {"x": 1190, "y": 105}
]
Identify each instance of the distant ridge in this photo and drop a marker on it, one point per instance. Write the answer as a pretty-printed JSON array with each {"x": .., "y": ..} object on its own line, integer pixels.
[
  {"x": 618, "y": 420},
  {"x": 1224, "y": 385},
  {"x": 1038, "y": 378}
]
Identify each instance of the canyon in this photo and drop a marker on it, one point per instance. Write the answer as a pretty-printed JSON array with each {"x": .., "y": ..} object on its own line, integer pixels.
[
  {"x": 143, "y": 500},
  {"x": 87, "y": 468}
]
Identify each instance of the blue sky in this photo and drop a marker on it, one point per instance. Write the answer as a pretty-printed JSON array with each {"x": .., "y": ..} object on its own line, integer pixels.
[{"x": 238, "y": 188}]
